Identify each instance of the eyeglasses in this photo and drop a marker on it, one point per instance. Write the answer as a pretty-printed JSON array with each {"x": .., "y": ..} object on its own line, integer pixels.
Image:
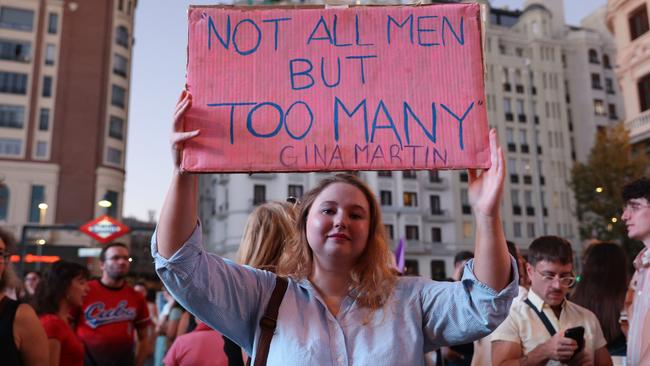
[
  {"x": 565, "y": 281},
  {"x": 634, "y": 206}
]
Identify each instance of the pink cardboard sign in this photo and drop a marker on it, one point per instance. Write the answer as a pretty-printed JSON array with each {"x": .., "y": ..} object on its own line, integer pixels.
[{"x": 362, "y": 88}]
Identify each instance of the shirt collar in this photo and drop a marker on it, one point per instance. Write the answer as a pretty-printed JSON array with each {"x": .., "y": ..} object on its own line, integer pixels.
[
  {"x": 538, "y": 302},
  {"x": 642, "y": 260}
]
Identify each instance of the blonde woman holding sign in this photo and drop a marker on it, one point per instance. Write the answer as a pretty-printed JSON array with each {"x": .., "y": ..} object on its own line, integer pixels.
[{"x": 344, "y": 304}]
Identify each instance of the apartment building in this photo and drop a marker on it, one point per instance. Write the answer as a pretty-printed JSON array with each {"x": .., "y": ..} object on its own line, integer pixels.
[
  {"x": 64, "y": 87},
  {"x": 628, "y": 21},
  {"x": 546, "y": 104}
]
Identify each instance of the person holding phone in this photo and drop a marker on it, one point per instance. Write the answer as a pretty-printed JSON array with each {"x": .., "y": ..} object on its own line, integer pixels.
[{"x": 545, "y": 328}]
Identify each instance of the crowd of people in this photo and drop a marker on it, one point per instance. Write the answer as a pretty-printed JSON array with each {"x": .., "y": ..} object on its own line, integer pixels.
[{"x": 316, "y": 284}]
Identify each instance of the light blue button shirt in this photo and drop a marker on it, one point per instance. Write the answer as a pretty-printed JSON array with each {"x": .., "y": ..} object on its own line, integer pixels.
[{"x": 419, "y": 316}]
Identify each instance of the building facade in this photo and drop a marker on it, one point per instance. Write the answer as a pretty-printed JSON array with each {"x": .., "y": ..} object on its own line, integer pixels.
[
  {"x": 628, "y": 21},
  {"x": 64, "y": 86},
  {"x": 546, "y": 105}
]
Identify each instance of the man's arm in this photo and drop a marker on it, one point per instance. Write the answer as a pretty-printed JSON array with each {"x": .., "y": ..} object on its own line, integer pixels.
[
  {"x": 142, "y": 347},
  {"x": 558, "y": 348}
]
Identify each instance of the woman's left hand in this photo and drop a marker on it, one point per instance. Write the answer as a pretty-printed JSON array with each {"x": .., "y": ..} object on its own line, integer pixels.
[{"x": 486, "y": 189}]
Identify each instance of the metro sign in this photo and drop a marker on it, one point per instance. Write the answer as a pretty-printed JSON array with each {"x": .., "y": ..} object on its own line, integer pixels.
[{"x": 104, "y": 229}]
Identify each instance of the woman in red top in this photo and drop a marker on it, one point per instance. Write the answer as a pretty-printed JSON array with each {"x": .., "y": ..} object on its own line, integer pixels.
[{"x": 63, "y": 288}]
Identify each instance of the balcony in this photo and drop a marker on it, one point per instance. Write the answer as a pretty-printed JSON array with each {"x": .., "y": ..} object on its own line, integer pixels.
[
  {"x": 524, "y": 148},
  {"x": 539, "y": 150},
  {"x": 512, "y": 147},
  {"x": 429, "y": 215},
  {"x": 509, "y": 116},
  {"x": 542, "y": 180},
  {"x": 536, "y": 119},
  {"x": 639, "y": 127},
  {"x": 263, "y": 176},
  {"x": 438, "y": 183},
  {"x": 514, "y": 178},
  {"x": 516, "y": 210},
  {"x": 528, "y": 179},
  {"x": 466, "y": 209},
  {"x": 519, "y": 88},
  {"x": 507, "y": 87},
  {"x": 533, "y": 90},
  {"x": 521, "y": 118},
  {"x": 530, "y": 211}
]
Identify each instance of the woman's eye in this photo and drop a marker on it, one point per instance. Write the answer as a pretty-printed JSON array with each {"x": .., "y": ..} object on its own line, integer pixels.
[
  {"x": 327, "y": 211},
  {"x": 356, "y": 216}
]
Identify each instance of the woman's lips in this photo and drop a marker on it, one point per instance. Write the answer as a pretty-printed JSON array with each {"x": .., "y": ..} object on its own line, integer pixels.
[{"x": 339, "y": 236}]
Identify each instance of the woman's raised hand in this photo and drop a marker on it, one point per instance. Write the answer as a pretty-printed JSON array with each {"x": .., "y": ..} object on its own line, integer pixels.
[
  {"x": 486, "y": 189},
  {"x": 179, "y": 136}
]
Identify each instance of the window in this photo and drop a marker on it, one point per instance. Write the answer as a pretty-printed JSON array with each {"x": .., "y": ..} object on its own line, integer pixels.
[
  {"x": 12, "y": 116},
  {"x": 389, "y": 231},
  {"x": 436, "y": 234},
  {"x": 644, "y": 92},
  {"x": 609, "y": 86},
  {"x": 410, "y": 199},
  {"x": 120, "y": 65},
  {"x": 593, "y": 56},
  {"x": 434, "y": 201},
  {"x": 4, "y": 202},
  {"x": 295, "y": 190},
  {"x": 118, "y": 96},
  {"x": 18, "y": 19},
  {"x": 15, "y": 50},
  {"x": 120, "y": 5},
  {"x": 520, "y": 106},
  {"x": 52, "y": 23},
  {"x": 112, "y": 197},
  {"x": 523, "y": 137},
  {"x": 10, "y": 147},
  {"x": 595, "y": 81},
  {"x": 599, "y": 107},
  {"x": 41, "y": 149},
  {"x": 507, "y": 105},
  {"x": 434, "y": 176},
  {"x": 116, "y": 128},
  {"x": 411, "y": 267},
  {"x": 638, "y": 22},
  {"x": 37, "y": 197},
  {"x": 514, "y": 197},
  {"x": 44, "y": 119},
  {"x": 606, "y": 62},
  {"x": 412, "y": 232},
  {"x": 386, "y": 198},
  {"x": 438, "y": 272},
  {"x": 409, "y": 174},
  {"x": 122, "y": 36},
  {"x": 47, "y": 86},
  {"x": 530, "y": 230},
  {"x": 259, "y": 194},
  {"x": 468, "y": 230},
  {"x": 612, "y": 111},
  {"x": 114, "y": 156},
  {"x": 516, "y": 228},
  {"x": 50, "y": 52},
  {"x": 464, "y": 202},
  {"x": 13, "y": 83},
  {"x": 384, "y": 173}
]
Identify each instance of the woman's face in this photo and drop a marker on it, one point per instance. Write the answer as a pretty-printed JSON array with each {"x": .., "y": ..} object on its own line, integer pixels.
[
  {"x": 77, "y": 291},
  {"x": 338, "y": 224}
]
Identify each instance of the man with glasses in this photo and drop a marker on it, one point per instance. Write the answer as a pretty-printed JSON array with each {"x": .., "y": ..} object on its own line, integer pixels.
[
  {"x": 111, "y": 312},
  {"x": 636, "y": 215},
  {"x": 534, "y": 331}
]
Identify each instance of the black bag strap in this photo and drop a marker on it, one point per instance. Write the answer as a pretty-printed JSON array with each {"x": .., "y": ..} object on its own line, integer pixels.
[
  {"x": 269, "y": 321},
  {"x": 543, "y": 317}
]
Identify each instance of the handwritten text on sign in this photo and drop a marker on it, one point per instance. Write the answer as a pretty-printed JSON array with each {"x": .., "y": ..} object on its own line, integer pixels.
[{"x": 336, "y": 89}]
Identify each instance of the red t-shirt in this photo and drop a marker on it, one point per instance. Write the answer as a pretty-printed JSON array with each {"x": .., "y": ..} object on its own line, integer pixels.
[
  {"x": 107, "y": 321},
  {"x": 72, "y": 351}
]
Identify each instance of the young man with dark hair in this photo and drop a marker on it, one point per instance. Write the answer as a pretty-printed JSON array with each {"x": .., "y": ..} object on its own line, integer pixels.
[
  {"x": 636, "y": 215},
  {"x": 111, "y": 311},
  {"x": 534, "y": 331}
]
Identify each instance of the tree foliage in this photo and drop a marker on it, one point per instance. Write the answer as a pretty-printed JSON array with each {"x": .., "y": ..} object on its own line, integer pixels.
[{"x": 597, "y": 185}]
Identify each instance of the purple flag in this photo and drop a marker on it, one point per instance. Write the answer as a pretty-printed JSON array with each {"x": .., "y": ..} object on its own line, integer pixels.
[{"x": 399, "y": 255}]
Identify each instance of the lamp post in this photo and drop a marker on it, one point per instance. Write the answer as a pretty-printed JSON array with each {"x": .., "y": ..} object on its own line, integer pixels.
[{"x": 105, "y": 204}]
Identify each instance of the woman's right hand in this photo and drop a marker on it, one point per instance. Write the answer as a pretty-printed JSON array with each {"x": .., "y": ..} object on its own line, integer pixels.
[{"x": 179, "y": 136}]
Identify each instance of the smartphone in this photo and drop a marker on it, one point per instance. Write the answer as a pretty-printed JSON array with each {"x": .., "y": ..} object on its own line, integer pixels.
[{"x": 578, "y": 335}]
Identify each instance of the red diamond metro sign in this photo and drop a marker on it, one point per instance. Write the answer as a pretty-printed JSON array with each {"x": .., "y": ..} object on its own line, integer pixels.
[{"x": 104, "y": 229}]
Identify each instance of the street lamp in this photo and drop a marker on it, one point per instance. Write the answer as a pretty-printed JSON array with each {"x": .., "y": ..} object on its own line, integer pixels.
[
  {"x": 104, "y": 203},
  {"x": 42, "y": 208},
  {"x": 599, "y": 189}
]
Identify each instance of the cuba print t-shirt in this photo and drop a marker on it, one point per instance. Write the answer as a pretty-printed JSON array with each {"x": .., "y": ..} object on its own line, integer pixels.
[{"x": 107, "y": 321}]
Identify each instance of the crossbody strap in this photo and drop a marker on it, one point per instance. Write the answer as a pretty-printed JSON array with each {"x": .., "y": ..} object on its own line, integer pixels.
[
  {"x": 269, "y": 321},
  {"x": 543, "y": 317}
]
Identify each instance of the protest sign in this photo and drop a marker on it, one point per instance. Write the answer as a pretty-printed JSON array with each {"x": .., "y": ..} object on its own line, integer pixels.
[{"x": 361, "y": 88}]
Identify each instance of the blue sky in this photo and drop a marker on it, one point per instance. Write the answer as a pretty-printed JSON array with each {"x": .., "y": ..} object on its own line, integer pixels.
[{"x": 158, "y": 75}]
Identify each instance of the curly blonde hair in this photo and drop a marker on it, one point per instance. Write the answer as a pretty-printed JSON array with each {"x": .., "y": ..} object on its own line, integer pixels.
[
  {"x": 373, "y": 276},
  {"x": 268, "y": 228}
]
